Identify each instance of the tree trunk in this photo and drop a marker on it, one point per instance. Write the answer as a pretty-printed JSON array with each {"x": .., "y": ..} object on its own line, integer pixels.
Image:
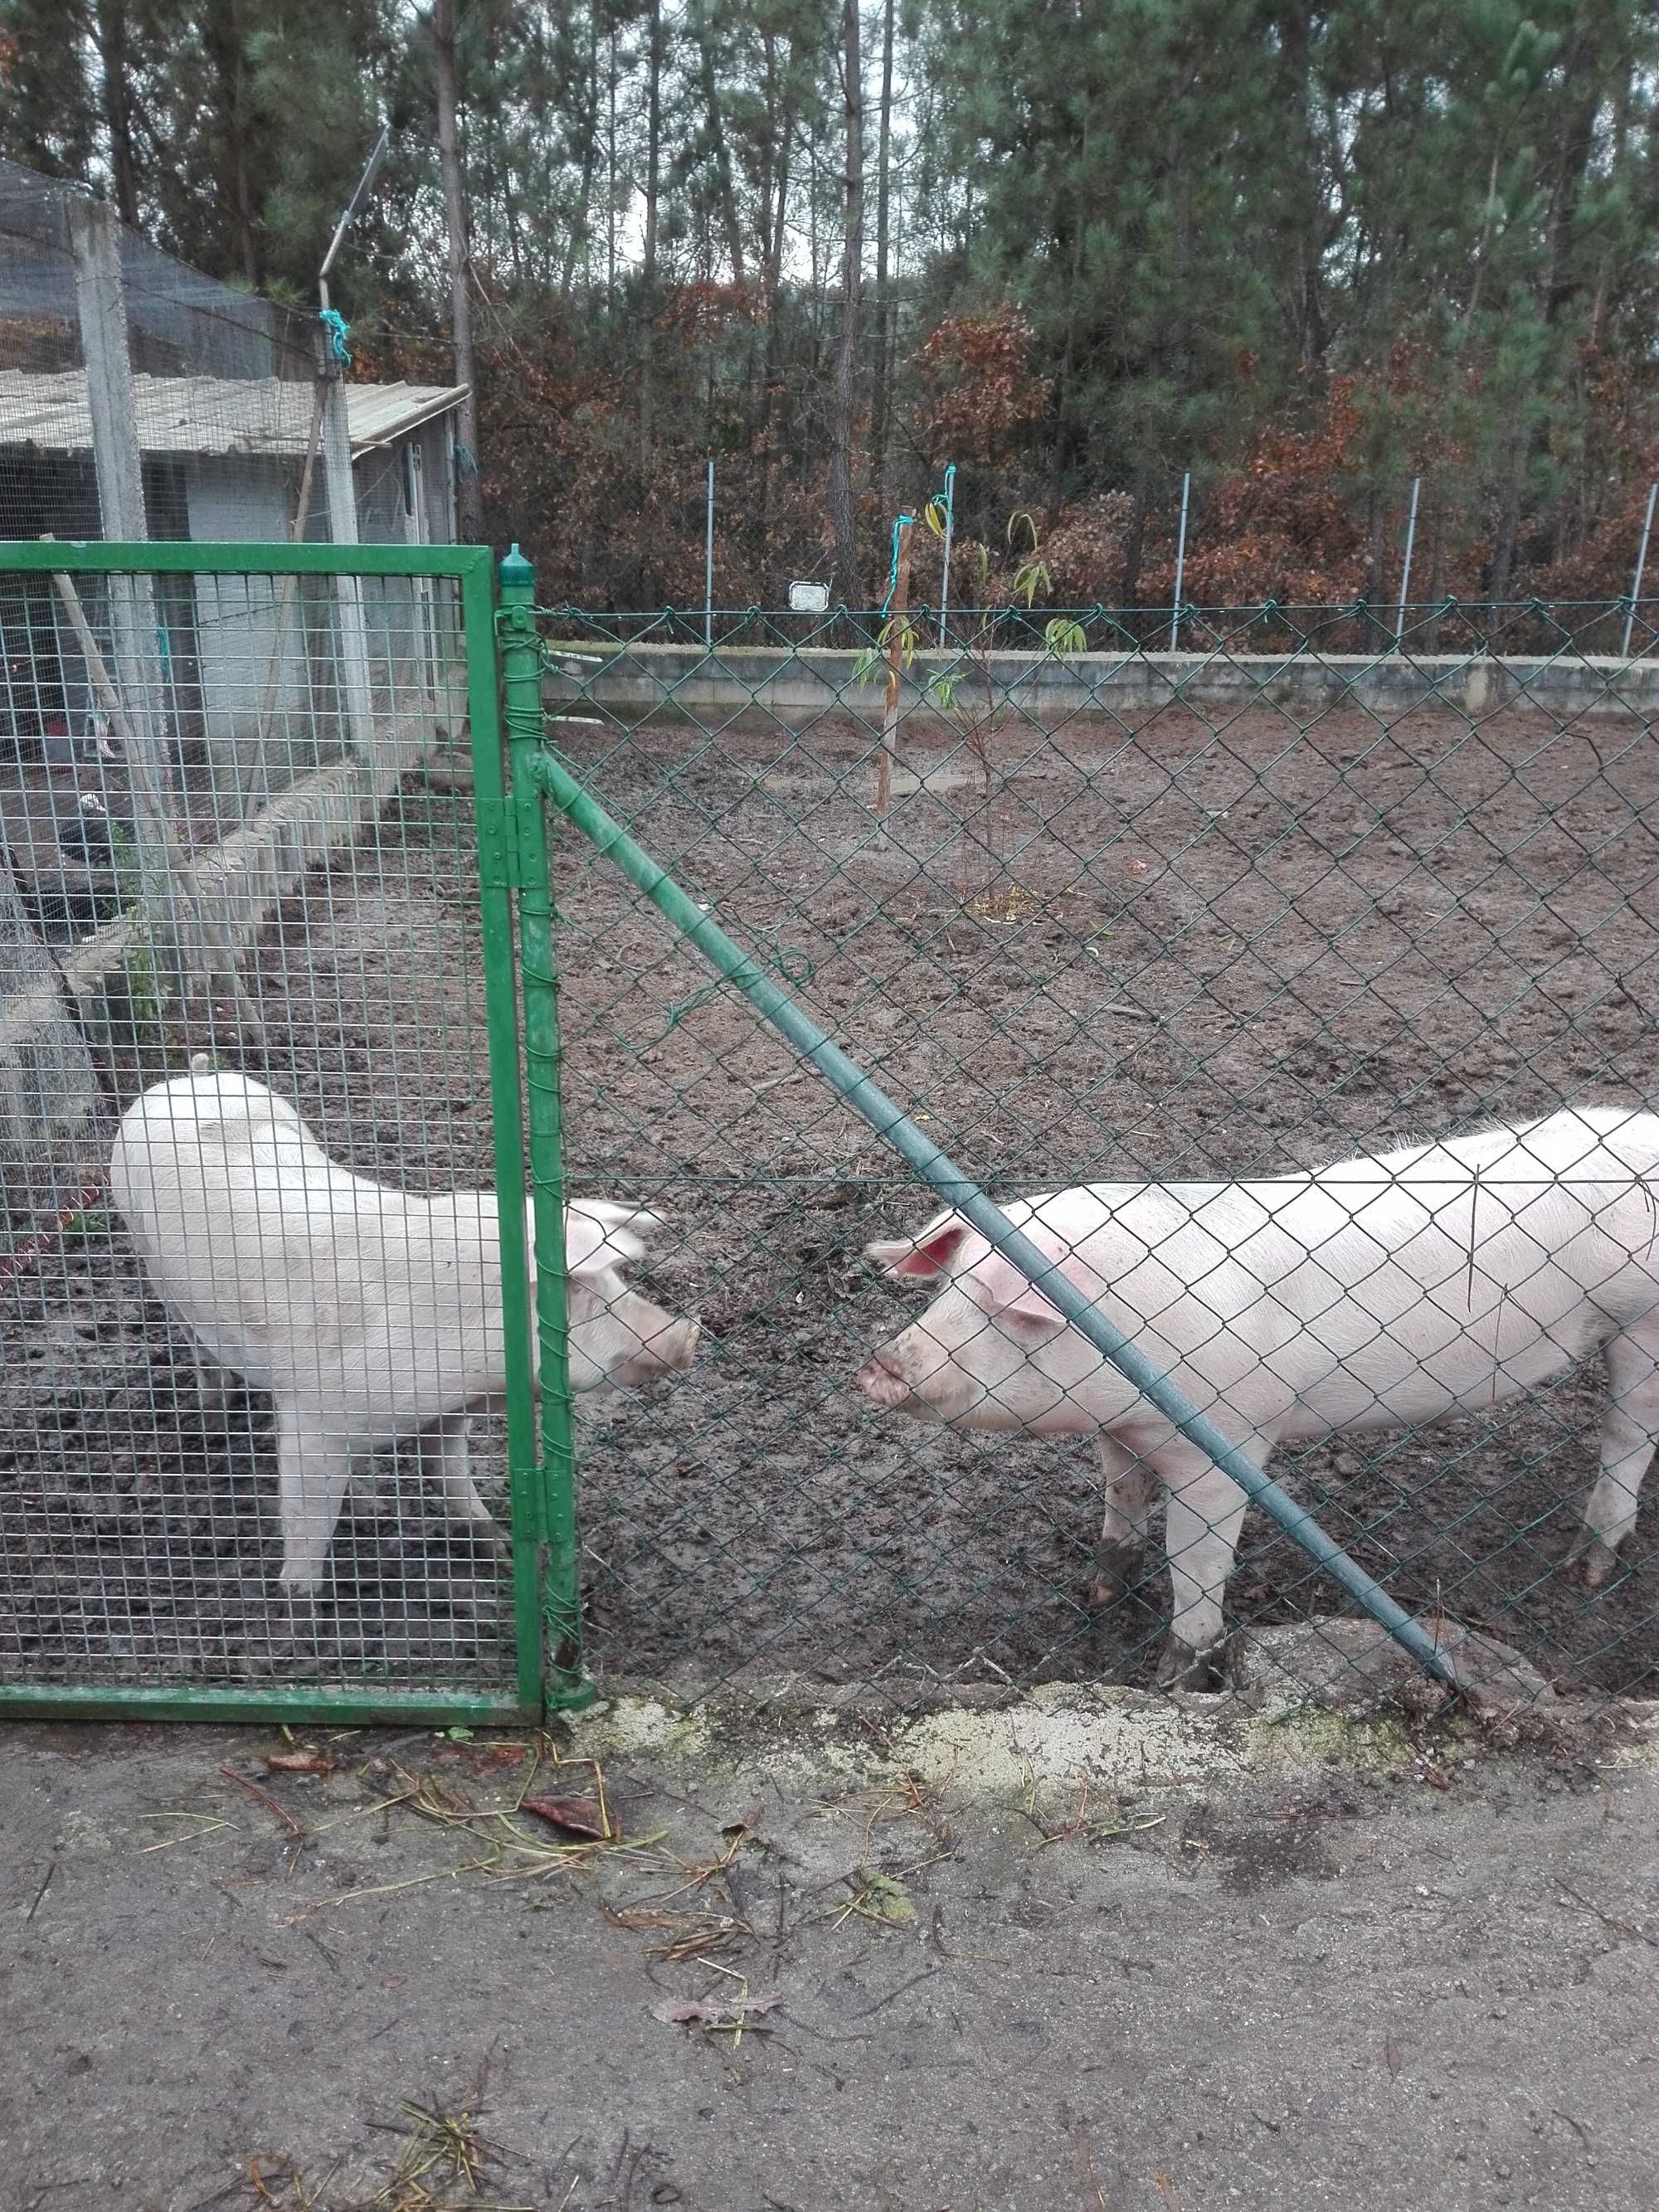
[
  {"x": 1509, "y": 530},
  {"x": 610, "y": 193},
  {"x": 1436, "y": 520},
  {"x": 815, "y": 285},
  {"x": 1375, "y": 517},
  {"x": 581, "y": 228},
  {"x": 884, "y": 186},
  {"x": 460, "y": 300},
  {"x": 782, "y": 122},
  {"x": 1134, "y": 546},
  {"x": 841, "y": 428},
  {"x": 652, "y": 193},
  {"x": 222, "y": 38},
  {"x": 113, "y": 58},
  {"x": 717, "y": 147},
  {"x": 1061, "y": 450}
]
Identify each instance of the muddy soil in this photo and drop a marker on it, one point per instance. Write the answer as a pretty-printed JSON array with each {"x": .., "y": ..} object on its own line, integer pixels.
[{"x": 1190, "y": 947}]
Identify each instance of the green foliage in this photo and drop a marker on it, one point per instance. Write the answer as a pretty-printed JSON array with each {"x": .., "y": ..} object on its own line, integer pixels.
[{"x": 1171, "y": 234}]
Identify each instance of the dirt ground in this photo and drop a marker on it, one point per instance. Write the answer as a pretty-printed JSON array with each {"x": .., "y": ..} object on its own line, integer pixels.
[
  {"x": 327, "y": 1972},
  {"x": 1190, "y": 947}
]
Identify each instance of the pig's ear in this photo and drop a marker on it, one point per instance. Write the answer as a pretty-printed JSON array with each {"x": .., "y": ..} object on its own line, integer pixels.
[
  {"x": 934, "y": 1250},
  {"x": 598, "y": 1233},
  {"x": 998, "y": 1288}
]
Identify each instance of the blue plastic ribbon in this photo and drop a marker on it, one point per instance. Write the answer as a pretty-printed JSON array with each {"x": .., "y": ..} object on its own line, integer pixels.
[
  {"x": 338, "y": 331},
  {"x": 899, "y": 523}
]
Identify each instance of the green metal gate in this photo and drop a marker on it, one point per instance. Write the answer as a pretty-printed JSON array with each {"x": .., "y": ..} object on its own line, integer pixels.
[{"x": 290, "y": 896}]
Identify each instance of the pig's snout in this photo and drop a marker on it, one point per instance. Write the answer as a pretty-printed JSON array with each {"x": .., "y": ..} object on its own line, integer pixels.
[
  {"x": 912, "y": 1375},
  {"x": 883, "y": 1380},
  {"x": 665, "y": 1349}
]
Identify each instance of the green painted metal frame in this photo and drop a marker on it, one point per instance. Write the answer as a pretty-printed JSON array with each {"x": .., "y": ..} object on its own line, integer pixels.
[
  {"x": 564, "y": 1683},
  {"x": 472, "y": 567}
]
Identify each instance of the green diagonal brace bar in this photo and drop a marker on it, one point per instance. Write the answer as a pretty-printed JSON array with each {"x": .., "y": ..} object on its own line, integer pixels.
[{"x": 934, "y": 1167}]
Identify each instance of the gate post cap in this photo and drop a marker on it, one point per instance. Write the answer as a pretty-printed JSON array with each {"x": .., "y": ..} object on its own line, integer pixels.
[{"x": 515, "y": 569}]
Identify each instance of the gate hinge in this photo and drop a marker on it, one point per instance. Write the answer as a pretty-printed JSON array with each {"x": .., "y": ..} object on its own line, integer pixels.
[{"x": 498, "y": 844}]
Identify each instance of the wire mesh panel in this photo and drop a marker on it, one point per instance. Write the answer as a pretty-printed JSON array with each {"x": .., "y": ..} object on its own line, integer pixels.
[
  {"x": 254, "y": 1341},
  {"x": 139, "y": 397},
  {"x": 1159, "y": 923}
]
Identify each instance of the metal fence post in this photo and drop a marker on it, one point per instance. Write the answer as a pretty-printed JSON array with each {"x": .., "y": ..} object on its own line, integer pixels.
[
  {"x": 340, "y": 491},
  {"x": 944, "y": 565},
  {"x": 708, "y": 564},
  {"x": 1405, "y": 565},
  {"x": 521, "y": 669},
  {"x": 1180, "y": 561},
  {"x": 497, "y": 881},
  {"x": 100, "y": 304},
  {"x": 1641, "y": 563}
]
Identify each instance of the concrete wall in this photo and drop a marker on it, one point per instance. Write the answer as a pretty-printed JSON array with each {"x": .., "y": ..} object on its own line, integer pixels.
[{"x": 794, "y": 685}]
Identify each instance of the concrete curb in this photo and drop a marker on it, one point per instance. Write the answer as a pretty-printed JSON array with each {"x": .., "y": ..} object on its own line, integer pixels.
[
  {"x": 795, "y": 681},
  {"x": 1056, "y": 1737}
]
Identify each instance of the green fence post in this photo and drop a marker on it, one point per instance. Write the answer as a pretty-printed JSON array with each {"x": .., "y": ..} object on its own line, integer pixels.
[
  {"x": 564, "y": 1683},
  {"x": 497, "y": 880}
]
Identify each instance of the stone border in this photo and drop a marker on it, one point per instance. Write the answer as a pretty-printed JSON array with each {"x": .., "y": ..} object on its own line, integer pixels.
[
  {"x": 1054, "y": 1737},
  {"x": 791, "y": 682}
]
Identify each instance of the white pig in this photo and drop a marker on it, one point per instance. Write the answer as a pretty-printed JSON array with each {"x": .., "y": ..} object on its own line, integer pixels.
[
  {"x": 366, "y": 1315},
  {"x": 1373, "y": 1294}
]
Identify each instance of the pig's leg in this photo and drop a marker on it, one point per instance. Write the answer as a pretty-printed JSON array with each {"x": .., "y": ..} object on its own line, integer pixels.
[
  {"x": 445, "y": 1453},
  {"x": 312, "y": 1469},
  {"x": 213, "y": 1386},
  {"x": 1206, "y": 1512},
  {"x": 1131, "y": 1488},
  {"x": 1629, "y": 1432}
]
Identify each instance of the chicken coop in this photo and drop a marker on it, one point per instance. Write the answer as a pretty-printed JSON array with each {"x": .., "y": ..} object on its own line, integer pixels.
[{"x": 216, "y": 733}]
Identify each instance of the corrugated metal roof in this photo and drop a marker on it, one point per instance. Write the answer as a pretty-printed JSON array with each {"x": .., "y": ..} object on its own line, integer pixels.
[{"x": 200, "y": 414}]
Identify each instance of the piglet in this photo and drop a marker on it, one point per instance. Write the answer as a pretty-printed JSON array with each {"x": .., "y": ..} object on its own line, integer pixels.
[
  {"x": 366, "y": 1315},
  {"x": 1378, "y": 1293}
]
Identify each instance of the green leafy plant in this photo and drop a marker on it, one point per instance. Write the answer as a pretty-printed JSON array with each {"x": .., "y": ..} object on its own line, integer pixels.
[{"x": 953, "y": 690}]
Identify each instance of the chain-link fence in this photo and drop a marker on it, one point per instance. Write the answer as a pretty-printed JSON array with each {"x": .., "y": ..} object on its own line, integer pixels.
[{"x": 1168, "y": 925}]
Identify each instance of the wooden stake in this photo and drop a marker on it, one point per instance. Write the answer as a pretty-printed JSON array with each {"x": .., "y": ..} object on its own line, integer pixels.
[
  {"x": 215, "y": 947},
  {"x": 895, "y": 631}
]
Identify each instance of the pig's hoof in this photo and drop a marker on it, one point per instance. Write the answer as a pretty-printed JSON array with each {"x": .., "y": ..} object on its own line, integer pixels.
[
  {"x": 300, "y": 1617},
  {"x": 1182, "y": 1668},
  {"x": 1117, "y": 1576},
  {"x": 1592, "y": 1563}
]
